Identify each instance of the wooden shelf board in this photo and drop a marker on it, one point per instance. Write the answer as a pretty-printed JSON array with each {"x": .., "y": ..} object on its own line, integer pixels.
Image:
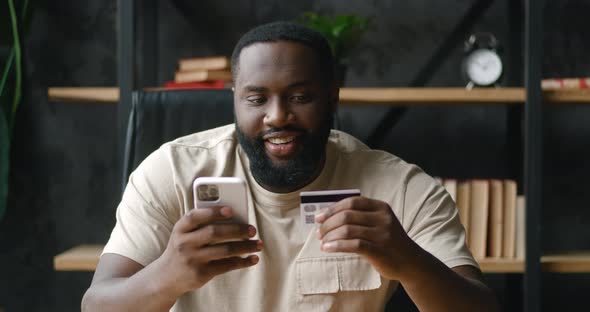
[
  {"x": 85, "y": 258},
  {"x": 575, "y": 262},
  {"x": 79, "y": 258},
  {"x": 567, "y": 96},
  {"x": 430, "y": 96},
  {"x": 495, "y": 265},
  {"x": 368, "y": 96},
  {"x": 93, "y": 94}
]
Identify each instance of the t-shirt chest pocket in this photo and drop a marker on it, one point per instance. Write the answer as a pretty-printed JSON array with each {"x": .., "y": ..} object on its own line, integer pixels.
[{"x": 331, "y": 274}]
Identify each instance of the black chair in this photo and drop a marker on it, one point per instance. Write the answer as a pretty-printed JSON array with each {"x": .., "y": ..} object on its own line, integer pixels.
[{"x": 160, "y": 116}]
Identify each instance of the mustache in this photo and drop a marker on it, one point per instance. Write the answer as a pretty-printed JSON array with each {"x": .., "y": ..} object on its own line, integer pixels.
[{"x": 273, "y": 130}]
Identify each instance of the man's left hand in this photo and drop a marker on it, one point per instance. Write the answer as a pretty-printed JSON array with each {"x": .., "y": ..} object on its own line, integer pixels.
[{"x": 369, "y": 228}]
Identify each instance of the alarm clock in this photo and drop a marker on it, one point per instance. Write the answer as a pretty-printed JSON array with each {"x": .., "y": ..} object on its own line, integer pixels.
[{"x": 482, "y": 63}]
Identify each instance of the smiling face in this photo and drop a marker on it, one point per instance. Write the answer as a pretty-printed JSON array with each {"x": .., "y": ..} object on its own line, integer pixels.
[{"x": 283, "y": 108}]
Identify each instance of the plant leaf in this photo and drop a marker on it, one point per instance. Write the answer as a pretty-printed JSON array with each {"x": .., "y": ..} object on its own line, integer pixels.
[
  {"x": 17, "y": 53},
  {"x": 6, "y": 71},
  {"x": 343, "y": 32}
]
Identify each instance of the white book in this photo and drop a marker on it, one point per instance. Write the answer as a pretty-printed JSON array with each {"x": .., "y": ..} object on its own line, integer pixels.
[
  {"x": 463, "y": 205},
  {"x": 509, "y": 233},
  {"x": 478, "y": 225},
  {"x": 496, "y": 219},
  {"x": 451, "y": 187}
]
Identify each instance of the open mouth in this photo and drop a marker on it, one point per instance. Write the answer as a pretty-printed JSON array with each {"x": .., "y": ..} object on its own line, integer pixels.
[
  {"x": 282, "y": 146},
  {"x": 283, "y": 140}
]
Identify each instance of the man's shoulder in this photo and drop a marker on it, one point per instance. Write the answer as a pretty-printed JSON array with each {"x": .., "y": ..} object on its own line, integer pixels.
[
  {"x": 349, "y": 147},
  {"x": 345, "y": 142},
  {"x": 205, "y": 139}
]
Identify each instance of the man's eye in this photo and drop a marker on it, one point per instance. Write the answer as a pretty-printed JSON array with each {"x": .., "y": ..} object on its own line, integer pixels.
[{"x": 256, "y": 100}]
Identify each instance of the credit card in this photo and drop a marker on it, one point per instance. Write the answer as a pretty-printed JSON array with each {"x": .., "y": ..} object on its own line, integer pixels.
[{"x": 314, "y": 202}]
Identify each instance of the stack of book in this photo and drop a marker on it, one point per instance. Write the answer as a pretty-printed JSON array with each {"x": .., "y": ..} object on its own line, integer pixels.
[
  {"x": 492, "y": 214},
  {"x": 202, "y": 73},
  {"x": 582, "y": 83}
]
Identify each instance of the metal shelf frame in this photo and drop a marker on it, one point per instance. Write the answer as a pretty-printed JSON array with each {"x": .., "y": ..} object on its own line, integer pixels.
[{"x": 533, "y": 151}]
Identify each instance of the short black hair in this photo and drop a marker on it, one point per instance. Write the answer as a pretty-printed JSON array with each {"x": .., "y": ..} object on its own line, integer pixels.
[{"x": 288, "y": 31}]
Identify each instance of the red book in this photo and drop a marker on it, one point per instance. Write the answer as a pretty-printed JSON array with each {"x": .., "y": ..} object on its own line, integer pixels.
[{"x": 216, "y": 84}]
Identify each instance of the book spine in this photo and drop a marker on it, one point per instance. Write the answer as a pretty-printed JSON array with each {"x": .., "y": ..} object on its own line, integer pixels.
[
  {"x": 479, "y": 218},
  {"x": 496, "y": 219}
]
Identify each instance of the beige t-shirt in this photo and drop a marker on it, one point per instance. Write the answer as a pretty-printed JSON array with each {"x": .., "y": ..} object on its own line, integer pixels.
[{"x": 293, "y": 273}]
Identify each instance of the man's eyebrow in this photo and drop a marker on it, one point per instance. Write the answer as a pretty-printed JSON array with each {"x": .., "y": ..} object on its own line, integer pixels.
[{"x": 250, "y": 88}]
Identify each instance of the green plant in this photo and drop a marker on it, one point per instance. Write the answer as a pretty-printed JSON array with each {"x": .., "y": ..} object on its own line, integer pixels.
[
  {"x": 10, "y": 98},
  {"x": 343, "y": 32}
]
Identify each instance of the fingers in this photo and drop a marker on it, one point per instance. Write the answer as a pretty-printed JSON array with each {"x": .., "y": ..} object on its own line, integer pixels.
[
  {"x": 356, "y": 225},
  {"x": 215, "y": 233},
  {"x": 349, "y": 232},
  {"x": 351, "y": 203},
  {"x": 199, "y": 216},
  {"x": 229, "y": 250},
  {"x": 222, "y": 266},
  {"x": 358, "y": 246},
  {"x": 349, "y": 217}
]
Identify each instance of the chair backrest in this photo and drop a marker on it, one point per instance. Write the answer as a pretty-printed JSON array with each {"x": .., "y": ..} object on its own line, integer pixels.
[{"x": 160, "y": 116}]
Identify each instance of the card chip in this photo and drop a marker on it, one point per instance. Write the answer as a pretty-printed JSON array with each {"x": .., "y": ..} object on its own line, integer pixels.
[{"x": 309, "y": 208}]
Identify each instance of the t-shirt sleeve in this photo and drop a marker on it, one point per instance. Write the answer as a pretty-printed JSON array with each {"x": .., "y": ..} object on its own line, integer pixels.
[
  {"x": 146, "y": 213},
  {"x": 431, "y": 219}
]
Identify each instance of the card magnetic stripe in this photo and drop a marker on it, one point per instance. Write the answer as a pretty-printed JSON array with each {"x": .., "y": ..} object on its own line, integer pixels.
[{"x": 326, "y": 198}]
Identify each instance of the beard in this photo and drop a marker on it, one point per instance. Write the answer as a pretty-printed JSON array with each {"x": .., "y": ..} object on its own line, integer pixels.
[{"x": 293, "y": 173}]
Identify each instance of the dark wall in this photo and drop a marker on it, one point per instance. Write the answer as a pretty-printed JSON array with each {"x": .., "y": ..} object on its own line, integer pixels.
[
  {"x": 64, "y": 188},
  {"x": 64, "y": 181}
]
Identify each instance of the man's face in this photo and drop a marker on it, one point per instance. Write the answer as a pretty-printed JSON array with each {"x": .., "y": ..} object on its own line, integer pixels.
[{"x": 283, "y": 109}]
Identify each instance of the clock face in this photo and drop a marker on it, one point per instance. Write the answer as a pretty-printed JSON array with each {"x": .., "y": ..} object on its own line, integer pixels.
[{"x": 484, "y": 67}]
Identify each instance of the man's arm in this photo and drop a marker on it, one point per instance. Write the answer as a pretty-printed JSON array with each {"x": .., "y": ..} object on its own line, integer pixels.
[
  {"x": 121, "y": 284},
  {"x": 369, "y": 228},
  {"x": 194, "y": 256},
  {"x": 433, "y": 286}
]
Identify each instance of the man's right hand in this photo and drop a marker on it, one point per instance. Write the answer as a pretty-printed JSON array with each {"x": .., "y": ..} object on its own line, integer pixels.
[{"x": 195, "y": 252}]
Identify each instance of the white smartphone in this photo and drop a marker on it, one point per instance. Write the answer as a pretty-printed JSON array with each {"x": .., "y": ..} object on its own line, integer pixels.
[{"x": 222, "y": 191}]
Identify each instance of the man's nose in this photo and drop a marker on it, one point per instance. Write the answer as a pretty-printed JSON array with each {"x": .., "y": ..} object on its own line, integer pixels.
[{"x": 278, "y": 114}]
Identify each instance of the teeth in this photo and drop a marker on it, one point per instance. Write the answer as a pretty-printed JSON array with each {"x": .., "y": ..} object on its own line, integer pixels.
[{"x": 283, "y": 140}]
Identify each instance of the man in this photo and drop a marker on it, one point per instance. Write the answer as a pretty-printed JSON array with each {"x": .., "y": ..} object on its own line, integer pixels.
[{"x": 163, "y": 254}]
